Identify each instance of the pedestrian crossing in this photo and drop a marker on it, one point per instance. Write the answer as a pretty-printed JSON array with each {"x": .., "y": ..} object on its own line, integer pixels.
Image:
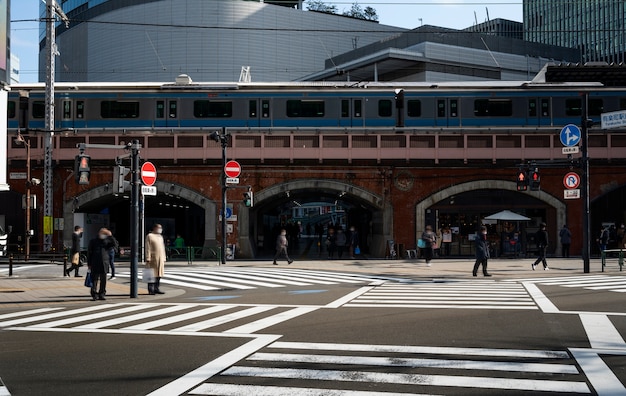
[
  {"x": 294, "y": 368},
  {"x": 457, "y": 294},
  {"x": 181, "y": 319},
  {"x": 237, "y": 278},
  {"x": 590, "y": 282}
]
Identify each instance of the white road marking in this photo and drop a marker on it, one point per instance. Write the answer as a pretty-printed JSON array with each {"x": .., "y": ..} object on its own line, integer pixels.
[
  {"x": 210, "y": 277},
  {"x": 435, "y": 306},
  {"x": 176, "y": 283},
  {"x": 411, "y": 379},
  {"x": 264, "y": 323},
  {"x": 53, "y": 315},
  {"x": 238, "y": 390},
  {"x": 188, "y": 279},
  {"x": 180, "y": 318},
  {"x": 220, "y": 320},
  {"x": 348, "y": 297},
  {"x": 201, "y": 374},
  {"x": 602, "y": 379},
  {"x": 132, "y": 318},
  {"x": 25, "y": 313},
  {"x": 83, "y": 318},
  {"x": 601, "y": 332},
  {"x": 541, "y": 300},
  {"x": 408, "y": 362}
]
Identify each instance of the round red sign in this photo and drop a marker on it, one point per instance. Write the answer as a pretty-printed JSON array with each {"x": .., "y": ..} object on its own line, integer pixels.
[
  {"x": 148, "y": 173},
  {"x": 232, "y": 169},
  {"x": 571, "y": 180}
]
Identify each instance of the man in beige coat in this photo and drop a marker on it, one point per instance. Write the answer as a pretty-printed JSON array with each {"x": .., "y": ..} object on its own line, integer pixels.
[{"x": 155, "y": 257}]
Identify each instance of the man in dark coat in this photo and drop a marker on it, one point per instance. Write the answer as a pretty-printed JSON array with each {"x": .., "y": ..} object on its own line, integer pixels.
[
  {"x": 482, "y": 251},
  {"x": 98, "y": 262},
  {"x": 75, "y": 251},
  {"x": 541, "y": 239}
]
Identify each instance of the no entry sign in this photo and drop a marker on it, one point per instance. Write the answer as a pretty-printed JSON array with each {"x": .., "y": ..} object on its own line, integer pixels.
[
  {"x": 148, "y": 173},
  {"x": 232, "y": 169}
]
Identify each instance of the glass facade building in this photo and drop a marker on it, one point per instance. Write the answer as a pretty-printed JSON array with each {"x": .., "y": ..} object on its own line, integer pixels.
[{"x": 597, "y": 28}]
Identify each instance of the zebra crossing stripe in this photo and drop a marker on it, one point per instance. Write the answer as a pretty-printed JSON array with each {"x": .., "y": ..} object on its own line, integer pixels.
[
  {"x": 201, "y": 276},
  {"x": 238, "y": 390},
  {"x": 347, "y": 278},
  {"x": 438, "y": 306},
  {"x": 53, "y": 315},
  {"x": 97, "y": 315},
  {"x": 411, "y": 379},
  {"x": 422, "y": 363},
  {"x": 176, "y": 283},
  {"x": 271, "y": 277},
  {"x": 261, "y": 324},
  {"x": 131, "y": 318},
  {"x": 251, "y": 279},
  {"x": 556, "y": 278},
  {"x": 179, "y": 318},
  {"x": 205, "y": 324},
  {"x": 215, "y": 281},
  {"x": 25, "y": 313}
]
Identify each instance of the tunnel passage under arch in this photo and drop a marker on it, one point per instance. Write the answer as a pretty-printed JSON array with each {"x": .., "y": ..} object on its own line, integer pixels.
[
  {"x": 367, "y": 210},
  {"x": 201, "y": 233}
]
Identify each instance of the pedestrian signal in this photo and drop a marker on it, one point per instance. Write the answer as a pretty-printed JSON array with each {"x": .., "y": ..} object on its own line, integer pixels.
[
  {"x": 248, "y": 199},
  {"x": 522, "y": 181},
  {"x": 535, "y": 180},
  {"x": 82, "y": 169}
]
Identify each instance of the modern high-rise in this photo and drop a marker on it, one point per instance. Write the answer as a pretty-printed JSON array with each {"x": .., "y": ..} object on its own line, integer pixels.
[{"x": 597, "y": 28}]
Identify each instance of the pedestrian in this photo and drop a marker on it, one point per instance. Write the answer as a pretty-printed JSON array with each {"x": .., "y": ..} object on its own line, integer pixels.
[
  {"x": 331, "y": 242},
  {"x": 281, "y": 247},
  {"x": 98, "y": 262},
  {"x": 429, "y": 238},
  {"x": 155, "y": 257},
  {"x": 482, "y": 251},
  {"x": 621, "y": 235},
  {"x": 112, "y": 251},
  {"x": 340, "y": 241},
  {"x": 179, "y": 242},
  {"x": 75, "y": 252},
  {"x": 446, "y": 241},
  {"x": 353, "y": 242},
  {"x": 541, "y": 239},
  {"x": 603, "y": 239},
  {"x": 566, "y": 240}
]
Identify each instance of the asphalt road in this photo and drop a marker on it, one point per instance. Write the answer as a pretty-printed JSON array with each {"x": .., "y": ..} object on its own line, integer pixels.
[{"x": 352, "y": 336}]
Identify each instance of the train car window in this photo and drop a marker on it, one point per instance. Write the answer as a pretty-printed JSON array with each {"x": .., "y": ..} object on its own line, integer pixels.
[
  {"x": 441, "y": 108},
  {"x": 622, "y": 103},
  {"x": 545, "y": 107},
  {"x": 358, "y": 108},
  {"x": 212, "y": 109},
  {"x": 493, "y": 107},
  {"x": 252, "y": 110},
  {"x": 39, "y": 109},
  {"x": 414, "y": 108},
  {"x": 385, "y": 108},
  {"x": 11, "y": 113},
  {"x": 454, "y": 108},
  {"x": 173, "y": 109},
  {"x": 117, "y": 109},
  {"x": 532, "y": 107},
  {"x": 596, "y": 106},
  {"x": 265, "y": 108},
  {"x": 160, "y": 109},
  {"x": 67, "y": 109},
  {"x": 305, "y": 108},
  {"x": 80, "y": 109},
  {"x": 345, "y": 108}
]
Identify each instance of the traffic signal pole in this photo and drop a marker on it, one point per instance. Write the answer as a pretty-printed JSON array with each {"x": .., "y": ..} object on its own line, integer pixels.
[{"x": 586, "y": 253}]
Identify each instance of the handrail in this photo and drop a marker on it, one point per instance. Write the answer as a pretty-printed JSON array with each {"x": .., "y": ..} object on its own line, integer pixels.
[{"x": 620, "y": 258}]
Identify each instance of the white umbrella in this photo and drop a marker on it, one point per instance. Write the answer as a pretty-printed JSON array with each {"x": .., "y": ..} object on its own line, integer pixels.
[{"x": 507, "y": 215}]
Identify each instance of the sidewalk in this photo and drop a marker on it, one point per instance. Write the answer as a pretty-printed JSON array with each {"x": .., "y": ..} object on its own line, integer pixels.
[{"x": 42, "y": 283}]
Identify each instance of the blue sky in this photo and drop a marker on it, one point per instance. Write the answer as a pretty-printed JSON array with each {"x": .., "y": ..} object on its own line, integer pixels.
[{"x": 401, "y": 13}]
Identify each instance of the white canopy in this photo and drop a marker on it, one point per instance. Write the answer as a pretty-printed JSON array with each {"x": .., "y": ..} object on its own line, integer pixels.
[{"x": 507, "y": 215}]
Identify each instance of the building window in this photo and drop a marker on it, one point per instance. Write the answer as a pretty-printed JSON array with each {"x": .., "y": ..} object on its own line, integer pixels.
[
  {"x": 385, "y": 108},
  {"x": 212, "y": 109},
  {"x": 414, "y": 108},
  {"x": 11, "y": 109},
  {"x": 116, "y": 109},
  {"x": 305, "y": 108},
  {"x": 493, "y": 107}
]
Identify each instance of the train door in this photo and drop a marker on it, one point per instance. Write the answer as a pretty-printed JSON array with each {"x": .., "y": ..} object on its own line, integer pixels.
[
  {"x": 540, "y": 111},
  {"x": 259, "y": 113},
  {"x": 66, "y": 117},
  {"x": 447, "y": 112},
  {"x": 166, "y": 114},
  {"x": 351, "y": 113}
]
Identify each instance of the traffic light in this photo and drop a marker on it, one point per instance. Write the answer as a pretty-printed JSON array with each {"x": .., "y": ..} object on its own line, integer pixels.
[
  {"x": 248, "y": 199},
  {"x": 522, "y": 180},
  {"x": 81, "y": 169},
  {"x": 119, "y": 184},
  {"x": 535, "y": 180}
]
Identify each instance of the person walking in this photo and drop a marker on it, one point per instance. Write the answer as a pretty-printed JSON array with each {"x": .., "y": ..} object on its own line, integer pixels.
[
  {"x": 75, "y": 252},
  {"x": 429, "y": 239},
  {"x": 340, "y": 241},
  {"x": 541, "y": 238},
  {"x": 155, "y": 257},
  {"x": 482, "y": 251},
  {"x": 353, "y": 242},
  {"x": 112, "y": 251},
  {"x": 281, "y": 247},
  {"x": 98, "y": 262},
  {"x": 566, "y": 240},
  {"x": 603, "y": 239},
  {"x": 331, "y": 242},
  {"x": 446, "y": 241}
]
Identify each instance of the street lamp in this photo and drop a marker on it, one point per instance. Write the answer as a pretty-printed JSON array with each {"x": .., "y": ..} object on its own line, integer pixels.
[
  {"x": 29, "y": 183},
  {"x": 223, "y": 139}
]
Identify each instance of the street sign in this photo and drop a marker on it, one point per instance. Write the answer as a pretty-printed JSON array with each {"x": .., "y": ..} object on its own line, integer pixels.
[
  {"x": 148, "y": 173},
  {"x": 229, "y": 213},
  {"x": 571, "y": 180},
  {"x": 17, "y": 175},
  {"x": 232, "y": 180},
  {"x": 232, "y": 218},
  {"x": 571, "y": 194},
  {"x": 570, "y": 135},
  {"x": 570, "y": 150},
  {"x": 615, "y": 119},
  {"x": 232, "y": 169},
  {"x": 149, "y": 190}
]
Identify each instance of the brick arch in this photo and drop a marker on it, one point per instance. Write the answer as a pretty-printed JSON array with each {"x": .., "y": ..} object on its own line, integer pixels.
[
  {"x": 382, "y": 213},
  {"x": 420, "y": 208}
]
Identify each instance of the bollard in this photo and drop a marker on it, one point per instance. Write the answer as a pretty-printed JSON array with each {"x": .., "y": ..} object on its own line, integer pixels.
[
  {"x": 65, "y": 267},
  {"x": 11, "y": 265}
]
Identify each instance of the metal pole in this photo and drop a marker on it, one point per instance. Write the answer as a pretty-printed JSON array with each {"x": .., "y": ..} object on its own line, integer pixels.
[
  {"x": 49, "y": 122},
  {"x": 224, "y": 141},
  {"x": 134, "y": 219},
  {"x": 586, "y": 254},
  {"x": 28, "y": 207}
]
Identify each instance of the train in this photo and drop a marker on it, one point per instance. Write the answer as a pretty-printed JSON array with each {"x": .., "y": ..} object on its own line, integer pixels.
[{"x": 185, "y": 105}]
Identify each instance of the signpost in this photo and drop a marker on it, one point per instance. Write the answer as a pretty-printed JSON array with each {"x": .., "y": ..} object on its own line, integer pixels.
[
  {"x": 232, "y": 169},
  {"x": 615, "y": 119},
  {"x": 571, "y": 181},
  {"x": 148, "y": 173}
]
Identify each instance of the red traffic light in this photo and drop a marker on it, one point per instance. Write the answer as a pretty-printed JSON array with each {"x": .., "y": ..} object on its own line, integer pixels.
[{"x": 521, "y": 177}]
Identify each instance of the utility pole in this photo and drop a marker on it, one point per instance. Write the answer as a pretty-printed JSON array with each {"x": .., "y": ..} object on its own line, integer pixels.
[
  {"x": 223, "y": 140},
  {"x": 134, "y": 217},
  {"x": 586, "y": 254},
  {"x": 52, "y": 11}
]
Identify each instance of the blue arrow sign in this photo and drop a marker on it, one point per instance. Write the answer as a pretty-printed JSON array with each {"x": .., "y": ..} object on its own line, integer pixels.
[
  {"x": 229, "y": 213},
  {"x": 570, "y": 135}
]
